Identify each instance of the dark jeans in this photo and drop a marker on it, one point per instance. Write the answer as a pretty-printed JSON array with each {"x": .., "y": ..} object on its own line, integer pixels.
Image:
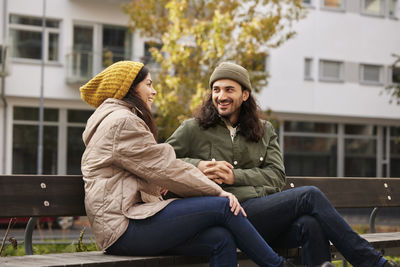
[
  {"x": 196, "y": 226},
  {"x": 304, "y": 217}
]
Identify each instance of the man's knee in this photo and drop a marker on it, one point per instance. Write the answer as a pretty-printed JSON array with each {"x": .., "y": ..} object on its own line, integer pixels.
[
  {"x": 310, "y": 230},
  {"x": 221, "y": 237},
  {"x": 308, "y": 223},
  {"x": 312, "y": 191}
]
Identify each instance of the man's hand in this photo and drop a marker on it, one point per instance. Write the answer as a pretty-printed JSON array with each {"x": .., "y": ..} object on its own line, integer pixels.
[{"x": 218, "y": 171}]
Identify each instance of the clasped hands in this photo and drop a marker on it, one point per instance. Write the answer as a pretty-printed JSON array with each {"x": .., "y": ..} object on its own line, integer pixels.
[{"x": 221, "y": 172}]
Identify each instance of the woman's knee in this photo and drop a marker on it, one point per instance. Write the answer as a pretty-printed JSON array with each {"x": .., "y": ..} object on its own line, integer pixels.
[{"x": 218, "y": 203}]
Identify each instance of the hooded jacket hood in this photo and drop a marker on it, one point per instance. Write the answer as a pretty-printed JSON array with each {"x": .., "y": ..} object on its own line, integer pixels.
[{"x": 106, "y": 108}]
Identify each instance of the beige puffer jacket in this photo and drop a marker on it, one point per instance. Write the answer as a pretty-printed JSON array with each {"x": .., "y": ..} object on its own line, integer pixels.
[{"x": 124, "y": 170}]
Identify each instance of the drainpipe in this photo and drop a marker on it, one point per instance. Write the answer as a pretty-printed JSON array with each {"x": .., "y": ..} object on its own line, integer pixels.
[{"x": 3, "y": 97}]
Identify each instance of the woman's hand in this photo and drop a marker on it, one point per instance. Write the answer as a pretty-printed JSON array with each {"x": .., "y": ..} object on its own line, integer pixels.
[
  {"x": 233, "y": 203},
  {"x": 163, "y": 191}
]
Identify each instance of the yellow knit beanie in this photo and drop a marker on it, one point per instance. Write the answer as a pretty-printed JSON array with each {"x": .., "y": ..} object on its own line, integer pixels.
[{"x": 113, "y": 82}]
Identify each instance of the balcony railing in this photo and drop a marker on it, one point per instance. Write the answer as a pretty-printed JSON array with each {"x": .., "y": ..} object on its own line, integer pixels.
[
  {"x": 79, "y": 66},
  {"x": 82, "y": 65}
]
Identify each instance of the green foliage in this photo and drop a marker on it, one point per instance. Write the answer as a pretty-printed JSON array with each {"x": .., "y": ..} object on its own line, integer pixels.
[
  {"x": 340, "y": 263},
  {"x": 48, "y": 248},
  {"x": 361, "y": 229},
  {"x": 394, "y": 89},
  {"x": 395, "y": 259},
  {"x": 269, "y": 116},
  {"x": 14, "y": 249},
  {"x": 196, "y": 35}
]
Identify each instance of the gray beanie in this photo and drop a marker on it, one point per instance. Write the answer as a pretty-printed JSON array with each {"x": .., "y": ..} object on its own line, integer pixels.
[{"x": 231, "y": 71}]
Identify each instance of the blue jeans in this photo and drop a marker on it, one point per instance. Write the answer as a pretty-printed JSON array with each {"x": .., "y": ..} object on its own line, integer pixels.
[
  {"x": 196, "y": 226},
  {"x": 304, "y": 217}
]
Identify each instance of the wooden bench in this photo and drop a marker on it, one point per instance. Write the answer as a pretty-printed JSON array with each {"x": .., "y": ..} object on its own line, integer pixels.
[{"x": 63, "y": 195}]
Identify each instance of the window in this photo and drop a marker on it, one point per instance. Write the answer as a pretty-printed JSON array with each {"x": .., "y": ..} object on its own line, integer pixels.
[
  {"x": 76, "y": 125},
  {"x": 360, "y": 150},
  {"x": 392, "y": 10},
  {"x": 310, "y": 127},
  {"x": 83, "y": 50},
  {"x": 80, "y": 60},
  {"x": 308, "y": 3},
  {"x": 148, "y": 58},
  {"x": 334, "y": 4},
  {"x": 373, "y": 7},
  {"x": 58, "y": 155},
  {"x": 26, "y": 36},
  {"x": 95, "y": 47},
  {"x": 396, "y": 74},
  {"x": 371, "y": 74},
  {"x": 116, "y": 44},
  {"x": 394, "y": 151},
  {"x": 25, "y": 140},
  {"x": 331, "y": 71},
  {"x": 308, "y": 62},
  {"x": 310, "y": 148}
]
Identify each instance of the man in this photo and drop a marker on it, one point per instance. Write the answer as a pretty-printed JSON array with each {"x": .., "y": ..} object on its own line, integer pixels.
[{"x": 232, "y": 146}]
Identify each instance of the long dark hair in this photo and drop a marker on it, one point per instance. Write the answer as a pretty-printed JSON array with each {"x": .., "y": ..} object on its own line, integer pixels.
[
  {"x": 132, "y": 98},
  {"x": 249, "y": 118}
]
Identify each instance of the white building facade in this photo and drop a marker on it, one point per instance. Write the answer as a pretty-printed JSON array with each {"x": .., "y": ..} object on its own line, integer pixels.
[{"x": 326, "y": 85}]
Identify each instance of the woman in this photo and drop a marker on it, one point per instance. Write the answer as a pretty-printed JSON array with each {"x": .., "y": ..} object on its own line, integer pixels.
[{"x": 126, "y": 171}]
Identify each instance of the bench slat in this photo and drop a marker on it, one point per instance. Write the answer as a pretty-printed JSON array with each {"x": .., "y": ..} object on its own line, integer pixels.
[
  {"x": 391, "y": 240},
  {"x": 354, "y": 192},
  {"x": 44, "y": 195}
]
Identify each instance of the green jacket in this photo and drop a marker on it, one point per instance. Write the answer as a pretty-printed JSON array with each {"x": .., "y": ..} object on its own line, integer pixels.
[{"x": 258, "y": 167}]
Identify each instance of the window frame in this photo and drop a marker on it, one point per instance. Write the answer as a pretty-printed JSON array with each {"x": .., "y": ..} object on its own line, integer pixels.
[
  {"x": 342, "y": 7},
  {"x": 369, "y": 82},
  {"x": 38, "y": 29},
  {"x": 391, "y": 68},
  {"x": 308, "y": 76},
  {"x": 381, "y": 14},
  {"x": 311, "y": 4},
  {"x": 322, "y": 78},
  {"x": 127, "y": 55},
  {"x": 62, "y": 123},
  {"x": 395, "y": 11}
]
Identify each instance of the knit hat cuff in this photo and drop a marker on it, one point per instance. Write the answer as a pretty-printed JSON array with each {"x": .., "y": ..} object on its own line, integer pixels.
[{"x": 231, "y": 71}]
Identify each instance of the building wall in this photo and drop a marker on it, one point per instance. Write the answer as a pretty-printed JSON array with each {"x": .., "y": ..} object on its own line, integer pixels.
[
  {"x": 345, "y": 128},
  {"x": 23, "y": 85},
  {"x": 68, "y": 12},
  {"x": 344, "y": 36}
]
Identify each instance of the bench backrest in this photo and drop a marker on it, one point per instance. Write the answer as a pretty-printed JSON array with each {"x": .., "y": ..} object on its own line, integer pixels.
[
  {"x": 41, "y": 195},
  {"x": 354, "y": 192},
  {"x": 63, "y": 195}
]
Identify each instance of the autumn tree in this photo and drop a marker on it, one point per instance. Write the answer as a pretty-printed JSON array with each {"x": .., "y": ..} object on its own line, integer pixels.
[
  {"x": 193, "y": 36},
  {"x": 394, "y": 89}
]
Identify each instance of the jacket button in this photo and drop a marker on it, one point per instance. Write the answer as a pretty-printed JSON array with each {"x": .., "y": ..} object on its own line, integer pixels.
[
  {"x": 261, "y": 158},
  {"x": 235, "y": 162}
]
